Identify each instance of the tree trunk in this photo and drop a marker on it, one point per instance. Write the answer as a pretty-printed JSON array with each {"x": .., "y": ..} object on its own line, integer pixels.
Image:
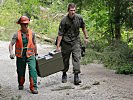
[
  {"x": 110, "y": 21},
  {"x": 117, "y": 20},
  {"x": 80, "y": 6}
]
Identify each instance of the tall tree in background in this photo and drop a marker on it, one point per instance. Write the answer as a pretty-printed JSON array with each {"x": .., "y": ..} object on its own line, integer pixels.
[
  {"x": 120, "y": 14},
  {"x": 117, "y": 18}
]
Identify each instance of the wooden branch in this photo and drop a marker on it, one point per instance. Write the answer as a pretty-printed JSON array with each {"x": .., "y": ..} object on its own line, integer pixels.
[{"x": 42, "y": 37}]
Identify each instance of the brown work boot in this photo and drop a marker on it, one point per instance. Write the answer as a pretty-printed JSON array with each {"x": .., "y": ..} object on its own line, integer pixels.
[
  {"x": 34, "y": 91},
  {"x": 77, "y": 81},
  {"x": 32, "y": 87},
  {"x": 64, "y": 77}
]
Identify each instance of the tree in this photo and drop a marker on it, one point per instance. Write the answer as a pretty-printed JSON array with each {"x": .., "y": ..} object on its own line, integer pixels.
[{"x": 120, "y": 14}]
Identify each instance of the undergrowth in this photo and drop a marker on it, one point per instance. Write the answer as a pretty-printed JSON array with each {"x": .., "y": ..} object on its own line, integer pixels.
[{"x": 117, "y": 56}]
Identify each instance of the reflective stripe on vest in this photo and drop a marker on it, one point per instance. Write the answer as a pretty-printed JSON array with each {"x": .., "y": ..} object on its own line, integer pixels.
[{"x": 19, "y": 45}]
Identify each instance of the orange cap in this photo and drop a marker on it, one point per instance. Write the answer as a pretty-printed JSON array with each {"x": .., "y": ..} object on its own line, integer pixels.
[{"x": 23, "y": 19}]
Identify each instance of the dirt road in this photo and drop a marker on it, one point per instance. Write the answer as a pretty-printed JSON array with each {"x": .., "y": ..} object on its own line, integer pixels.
[{"x": 98, "y": 83}]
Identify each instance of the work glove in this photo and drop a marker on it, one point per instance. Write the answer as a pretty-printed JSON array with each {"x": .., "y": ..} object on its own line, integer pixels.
[
  {"x": 36, "y": 55},
  {"x": 12, "y": 56}
]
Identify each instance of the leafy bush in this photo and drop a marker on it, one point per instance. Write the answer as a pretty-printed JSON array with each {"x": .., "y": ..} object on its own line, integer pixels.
[
  {"x": 125, "y": 69},
  {"x": 117, "y": 56},
  {"x": 7, "y": 12}
]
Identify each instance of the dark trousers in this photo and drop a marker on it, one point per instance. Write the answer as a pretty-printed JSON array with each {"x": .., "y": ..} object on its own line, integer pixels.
[{"x": 74, "y": 49}]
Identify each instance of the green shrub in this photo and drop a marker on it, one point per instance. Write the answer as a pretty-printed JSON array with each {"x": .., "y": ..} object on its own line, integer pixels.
[
  {"x": 117, "y": 56},
  {"x": 125, "y": 69}
]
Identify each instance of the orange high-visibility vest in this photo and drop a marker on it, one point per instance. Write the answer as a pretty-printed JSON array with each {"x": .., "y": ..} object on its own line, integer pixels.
[{"x": 19, "y": 45}]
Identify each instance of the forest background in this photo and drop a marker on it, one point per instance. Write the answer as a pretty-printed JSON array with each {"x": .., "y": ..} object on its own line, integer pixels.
[{"x": 109, "y": 24}]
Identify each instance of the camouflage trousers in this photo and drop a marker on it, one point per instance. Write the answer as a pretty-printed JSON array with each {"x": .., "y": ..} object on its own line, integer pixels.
[{"x": 67, "y": 50}]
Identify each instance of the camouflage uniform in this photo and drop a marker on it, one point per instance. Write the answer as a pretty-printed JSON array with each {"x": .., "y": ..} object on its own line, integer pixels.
[{"x": 69, "y": 30}]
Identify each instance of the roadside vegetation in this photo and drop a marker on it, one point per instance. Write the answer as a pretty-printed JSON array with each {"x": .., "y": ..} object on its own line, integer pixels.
[{"x": 109, "y": 24}]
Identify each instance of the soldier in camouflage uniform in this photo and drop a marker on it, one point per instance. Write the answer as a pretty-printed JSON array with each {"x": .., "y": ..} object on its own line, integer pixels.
[{"x": 69, "y": 40}]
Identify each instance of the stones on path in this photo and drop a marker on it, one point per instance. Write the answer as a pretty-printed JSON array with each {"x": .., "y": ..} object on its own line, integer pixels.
[{"x": 96, "y": 83}]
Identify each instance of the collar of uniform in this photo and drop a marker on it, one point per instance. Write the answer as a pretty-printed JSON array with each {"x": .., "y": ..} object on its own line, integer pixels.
[{"x": 71, "y": 18}]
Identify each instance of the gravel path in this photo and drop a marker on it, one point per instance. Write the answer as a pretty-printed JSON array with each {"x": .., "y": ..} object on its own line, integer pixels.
[{"x": 98, "y": 83}]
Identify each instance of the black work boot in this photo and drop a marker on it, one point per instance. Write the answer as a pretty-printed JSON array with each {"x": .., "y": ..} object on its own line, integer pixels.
[
  {"x": 76, "y": 79},
  {"x": 20, "y": 87},
  {"x": 64, "y": 77}
]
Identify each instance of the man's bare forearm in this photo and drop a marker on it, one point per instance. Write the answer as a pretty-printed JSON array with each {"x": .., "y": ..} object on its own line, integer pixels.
[
  {"x": 85, "y": 33},
  {"x": 11, "y": 48},
  {"x": 59, "y": 40}
]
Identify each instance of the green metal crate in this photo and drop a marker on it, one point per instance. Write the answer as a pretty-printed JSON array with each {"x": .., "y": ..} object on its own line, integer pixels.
[{"x": 49, "y": 64}]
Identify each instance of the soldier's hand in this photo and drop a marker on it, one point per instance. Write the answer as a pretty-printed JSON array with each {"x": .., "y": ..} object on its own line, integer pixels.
[
  {"x": 12, "y": 56},
  {"x": 58, "y": 49},
  {"x": 86, "y": 41}
]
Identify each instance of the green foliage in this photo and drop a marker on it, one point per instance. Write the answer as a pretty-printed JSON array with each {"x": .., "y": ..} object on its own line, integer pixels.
[
  {"x": 125, "y": 69},
  {"x": 120, "y": 14},
  {"x": 91, "y": 56},
  {"x": 43, "y": 21},
  {"x": 29, "y": 7},
  {"x": 8, "y": 17},
  {"x": 117, "y": 56},
  {"x": 7, "y": 12},
  {"x": 61, "y": 8},
  {"x": 50, "y": 16}
]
